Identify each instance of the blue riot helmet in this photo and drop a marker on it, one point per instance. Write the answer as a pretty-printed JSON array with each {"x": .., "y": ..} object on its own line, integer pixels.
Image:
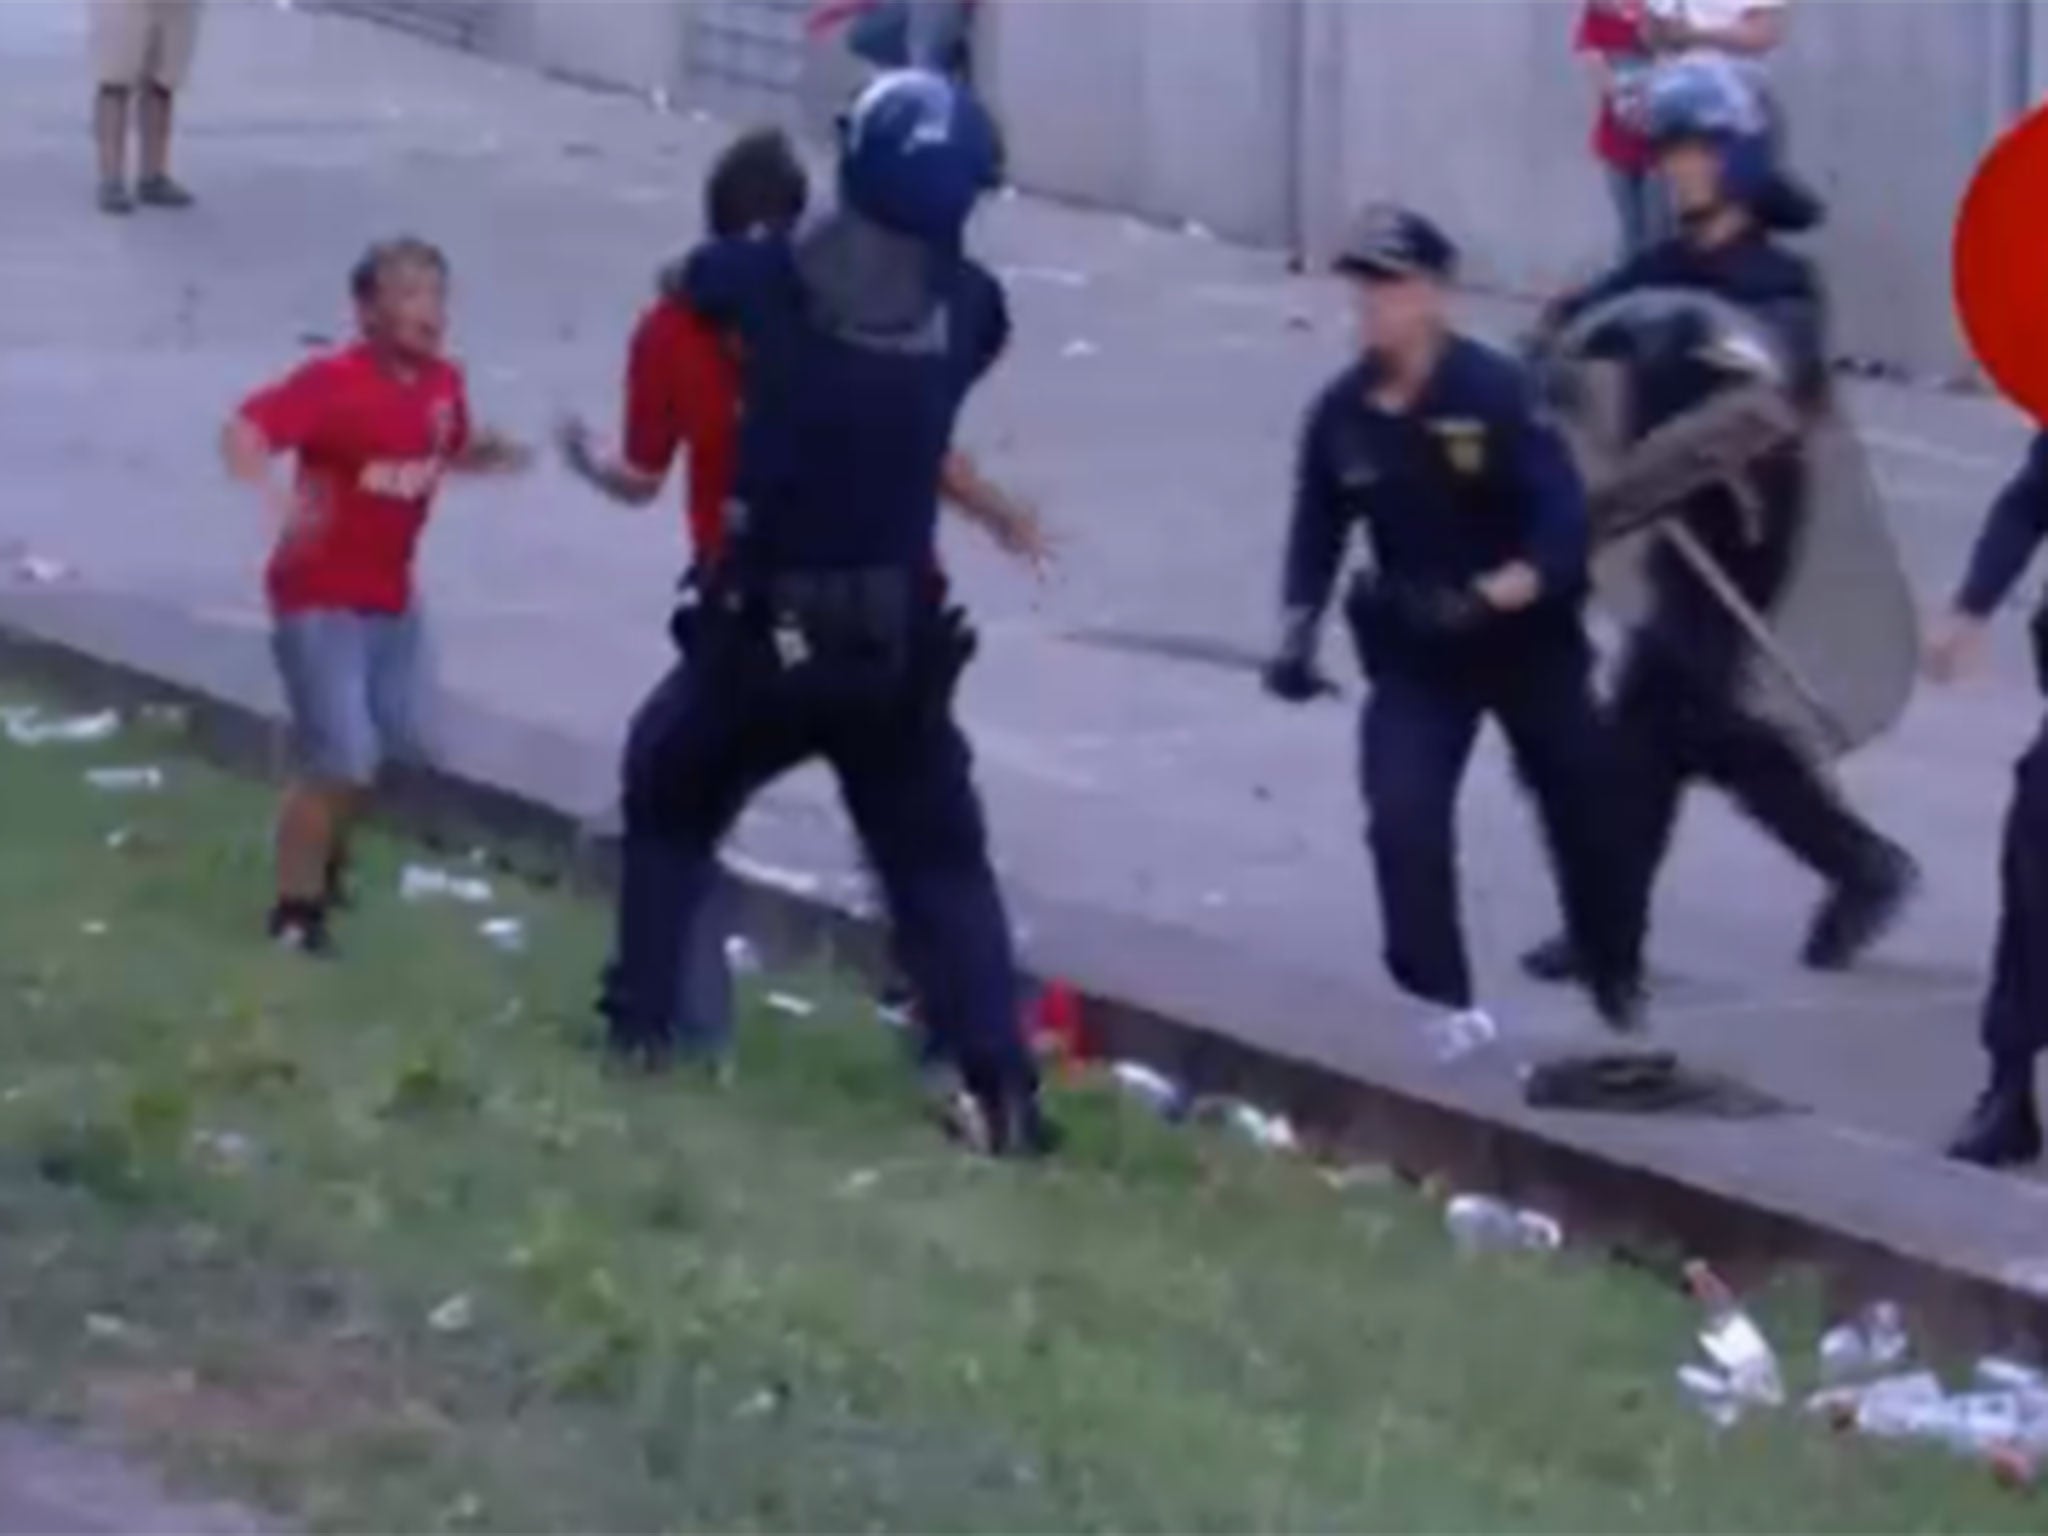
[
  {"x": 916, "y": 153},
  {"x": 1705, "y": 98}
]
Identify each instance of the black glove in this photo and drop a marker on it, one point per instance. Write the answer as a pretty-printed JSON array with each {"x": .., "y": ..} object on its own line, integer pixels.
[{"x": 1291, "y": 675}]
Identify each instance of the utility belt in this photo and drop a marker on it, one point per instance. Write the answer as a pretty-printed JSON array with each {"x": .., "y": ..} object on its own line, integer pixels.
[
  {"x": 1403, "y": 622},
  {"x": 855, "y": 635}
]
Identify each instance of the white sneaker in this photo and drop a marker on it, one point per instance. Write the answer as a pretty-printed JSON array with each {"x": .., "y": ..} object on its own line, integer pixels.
[{"x": 1455, "y": 1036}]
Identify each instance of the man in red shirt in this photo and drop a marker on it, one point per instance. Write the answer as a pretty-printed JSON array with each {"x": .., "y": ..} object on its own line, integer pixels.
[
  {"x": 1613, "y": 34},
  {"x": 373, "y": 428}
]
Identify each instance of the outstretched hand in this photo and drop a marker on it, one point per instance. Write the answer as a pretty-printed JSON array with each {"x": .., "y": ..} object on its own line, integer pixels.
[{"x": 1954, "y": 647}]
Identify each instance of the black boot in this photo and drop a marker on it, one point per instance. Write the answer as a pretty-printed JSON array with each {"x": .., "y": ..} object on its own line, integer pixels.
[
  {"x": 1621, "y": 1003},
  {"x": 1861, "y": 910},
  {"x": 2004, "y": 1129},
  {"x": 1553, "y": 960},
  {"x": 1003, "y": 1124}
]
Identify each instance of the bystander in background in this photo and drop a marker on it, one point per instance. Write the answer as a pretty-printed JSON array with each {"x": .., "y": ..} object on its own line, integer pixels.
[
  {"x": 142, "y": 50},
  {"x": 1611, "y": 34}
]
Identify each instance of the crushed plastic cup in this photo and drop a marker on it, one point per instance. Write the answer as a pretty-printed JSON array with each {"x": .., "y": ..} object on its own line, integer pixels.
[
  {"x": 1458, "y": 1035},
  {"x": 1482, "y": 1224},
  {"x": 1080, "y": 346},
  {"x": 1870, "y": 1344},
  {"x": 1733, "y": 1341},
  {"x": 506, "y": 933},
  {"x": 454, "y": 1315},
  {"x": 34, "y": 730},
  {"x": 1713, "y": 1394},
  {"x": 126, "y": 781},
  {"x": 1149, "y": 1087},
  {"x": 1274, "y": 1133},
  {"x": 789, "y": 1003},
  {"x": 42, "y": 571},
  {"x": 422, "y": 882}
]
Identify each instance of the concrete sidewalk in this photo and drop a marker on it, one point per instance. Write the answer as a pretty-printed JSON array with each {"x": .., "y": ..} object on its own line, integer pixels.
[{"x": 1150, "y": 404}]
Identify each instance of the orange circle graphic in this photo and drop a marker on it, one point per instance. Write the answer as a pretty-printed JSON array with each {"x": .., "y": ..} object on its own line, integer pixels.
[{"x": 2000, "y": 264}]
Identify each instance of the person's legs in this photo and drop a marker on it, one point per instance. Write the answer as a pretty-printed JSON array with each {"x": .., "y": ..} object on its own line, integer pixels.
[
  {"x": 2005, "y": 1127},
  {"x": 1630, "y": 191},
  {"x": 324, "y": 661},
  {"x": 119, "y": 34},
  {"x": 907, "y": 779},
  {"x": 110, "y": 134},
  {"x": 173, "y": 35},
  {"x": 1566, "y": 757},
  {"x": 1415, "y": 741}
]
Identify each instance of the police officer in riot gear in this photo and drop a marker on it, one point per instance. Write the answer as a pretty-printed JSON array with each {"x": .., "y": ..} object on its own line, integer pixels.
[
  {"x": 824, "y": 629},
  {"x": 2005, "y": 1127},
  {"x": 1476, "y": 525},
  {"x": 1677, "y": 710}
]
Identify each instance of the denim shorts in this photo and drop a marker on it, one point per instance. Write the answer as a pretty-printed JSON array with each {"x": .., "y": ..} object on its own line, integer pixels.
[{"x": 352, "y": 685}]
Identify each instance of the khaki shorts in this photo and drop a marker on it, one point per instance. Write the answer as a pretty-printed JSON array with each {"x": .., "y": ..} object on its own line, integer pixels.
[{"x": 138, "y": 41}]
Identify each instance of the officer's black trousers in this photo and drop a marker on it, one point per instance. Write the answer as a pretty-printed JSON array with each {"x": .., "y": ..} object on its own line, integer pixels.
[
  {"x": 723, "y": 727},
  {"x": 1418, "y": 731},
  {"x": 1678, "y": 718},
  {"x": 2016, "y": 1009}
]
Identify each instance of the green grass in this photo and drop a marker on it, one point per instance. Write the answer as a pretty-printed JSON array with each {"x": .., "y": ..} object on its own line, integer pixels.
[{"x": 236, "y": 1186}]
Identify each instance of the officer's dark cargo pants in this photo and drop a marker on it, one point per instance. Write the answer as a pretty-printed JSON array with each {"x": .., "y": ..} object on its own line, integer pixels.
[
  {"x": 1678, "y": 717},
  {"x": 1418, "y": 732},
  {"x": 2015, "y": 1023},
  {"x": 731, "y": 721}
]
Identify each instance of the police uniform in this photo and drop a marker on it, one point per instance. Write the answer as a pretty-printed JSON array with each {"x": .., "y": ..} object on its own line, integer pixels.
[
  {"x": 1677, "y": 710},
  {"x": 823, "y": 631},
  {"x": 2005, "y": 1127},
  {"x": 1461, "y": 483}
]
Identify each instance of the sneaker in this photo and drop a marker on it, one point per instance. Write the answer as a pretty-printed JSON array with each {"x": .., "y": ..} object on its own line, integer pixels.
[
  {"x": 1553, "y": 960},
  {"x": 2003, "y": 1130},
  {"x": 1860, "y": 911},
  {"x": 632, "y": 1054},
  {"x": 1007, "y": 1125},
  {"x": 161, "y": 192},
  {"x": 300, "y": 926},
  {"x": 113, "y": 198}
]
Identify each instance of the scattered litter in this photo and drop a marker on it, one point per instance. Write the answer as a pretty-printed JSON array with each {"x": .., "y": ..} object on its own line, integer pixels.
[
  {"x": 658, "y": 98},
  {"x": 1458, "y": 1035},
  {"x": 789, "y": 1003},
  {"x": 166, "y": 717},
  {"x": 1712, "y": 1394},
  {"x": 106, "y": 1325},
  {"x": 741, "y": 958},
  {"x": 30, "y": 729},
  {"x": 453, "y": 1315},
  {"x": 1273, "y": 1132},
  {"x": 1734, "y": 1343},
  {"x": 120, "y": 838},
  {"x": 93, "y": 928},
  {"x": 1995, "y": 1373},
  {"x": 1156, "y": 1089},
  {"x": 421, "y": 882},
  {"x": 795, "y": 881},
  {"x": 1482, "y": 1224},
  {"x": 860, "y": 1181},
  {"x": 1871, "y": 1344},
  {"x": 1079, "y": 347},
  {"x": 506, "y": 933},
  {"x": 229, "y": 1146},
  {"x": 1358, "y": 1176},
  {"x": 769, "y": 1400},
  {"x": 1195, "y": 229},
  {"x": 126, "y": 781}
]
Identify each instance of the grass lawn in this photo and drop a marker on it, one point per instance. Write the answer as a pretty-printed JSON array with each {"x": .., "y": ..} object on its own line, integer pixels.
[{"x": 374, "y": 1245}]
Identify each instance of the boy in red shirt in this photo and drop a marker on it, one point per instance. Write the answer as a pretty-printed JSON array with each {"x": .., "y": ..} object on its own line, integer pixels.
[
  {"x": 1614, "y": 34},
  {"x": 373, "y": 427}
]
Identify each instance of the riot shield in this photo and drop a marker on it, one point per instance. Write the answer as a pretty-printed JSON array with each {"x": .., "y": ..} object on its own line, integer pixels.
[{"x": 1833, "y": 660}]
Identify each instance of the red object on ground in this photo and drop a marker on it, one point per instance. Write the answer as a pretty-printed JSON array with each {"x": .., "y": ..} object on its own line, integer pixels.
[{"x": 1057, "y": 1024}]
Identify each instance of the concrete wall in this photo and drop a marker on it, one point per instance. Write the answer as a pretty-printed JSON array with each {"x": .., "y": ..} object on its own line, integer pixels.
[
  {"x": 1175, "y": 110},
  {"x": 1269, "y": 121}
]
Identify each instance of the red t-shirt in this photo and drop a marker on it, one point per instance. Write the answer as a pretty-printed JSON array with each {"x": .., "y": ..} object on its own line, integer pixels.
[
  {"x": 371, "y": 446},
  {"x": 1618, "y": 37},
  {"x": 683, "y": 386}
]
